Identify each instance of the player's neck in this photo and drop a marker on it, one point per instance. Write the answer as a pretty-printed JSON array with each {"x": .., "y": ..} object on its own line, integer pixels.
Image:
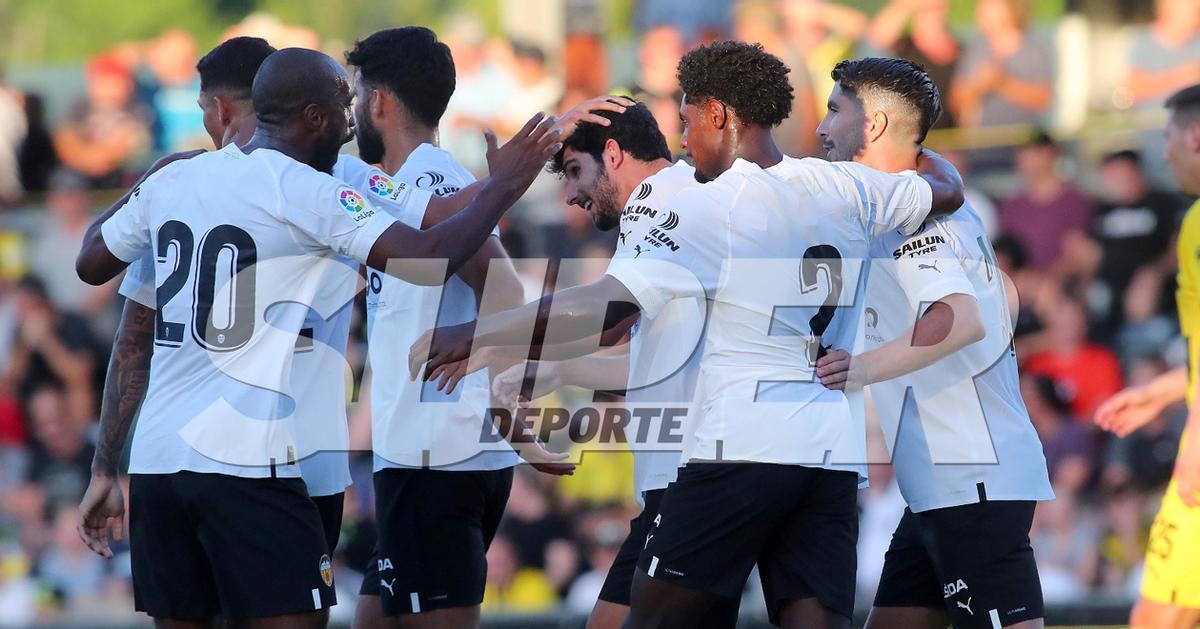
[
  {"x": 398, "y": 146},
  {"x": 639, "y": 172},
  {"x": 288, "y": 142},
  {"x": 755, "y": 145},
  {"x": 890, "y": 159}
]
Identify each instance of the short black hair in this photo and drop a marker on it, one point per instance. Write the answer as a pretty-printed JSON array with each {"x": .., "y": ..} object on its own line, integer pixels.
[
  {"x": 1125, "y": 155},
  {"x": 635, "y": 130},
  {"x": 743, "y": 76},
  {"x": 1186, "y": 102},
  {"x": 410, "y": 63},
  {"x": 233, "y": 64},
  {"x": 904, "y": 78}
]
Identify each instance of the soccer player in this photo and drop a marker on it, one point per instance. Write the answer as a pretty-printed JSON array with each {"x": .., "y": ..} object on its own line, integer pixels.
[
  {"x": 629, "y": 159},
  {"x": 1170, "y": 594},
  {"x": 439, "y": 495},
  {"x": 756, "y": 487},
  {"x": 269, "y": 206},
  {"x": 968, "y": 461}
]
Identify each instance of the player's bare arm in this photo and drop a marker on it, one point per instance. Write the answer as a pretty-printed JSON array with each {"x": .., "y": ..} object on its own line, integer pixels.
[
  {"x": 943, "y": 180},
  {"x": 103, "y": 504},
  {"x": 947, "y": 326},
  {"x": 579, "y": 312},
  {"x": 1134, "y": 407},
  {"x": 458, "y": 238}
]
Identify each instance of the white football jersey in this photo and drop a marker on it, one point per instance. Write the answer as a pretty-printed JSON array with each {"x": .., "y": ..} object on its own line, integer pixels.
[
  {"x": 957, "y": 429},
  {"x": 664, "y": 356},
  {"x": 779, "y": 255},
  {"x": 245, "y": 247},
  {"x": 412, "y": 423}
]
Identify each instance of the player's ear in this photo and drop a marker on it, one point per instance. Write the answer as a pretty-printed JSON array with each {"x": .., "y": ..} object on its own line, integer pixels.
[
  {"x": 612, "y": 155},
  {"x": 225, "y": 110},
  {"x": 375, "y": 103},
  {"x": 718, "y": 113},
  {"x": 313, "y": 116},
  {"x": 877, "y": 124},
  {"x": 1193, "y": 137}
]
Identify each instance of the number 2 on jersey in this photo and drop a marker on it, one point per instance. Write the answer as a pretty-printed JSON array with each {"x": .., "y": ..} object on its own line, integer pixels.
[
  {"x": 240, "y": 255},
  {"x": 819, "y": 257}
]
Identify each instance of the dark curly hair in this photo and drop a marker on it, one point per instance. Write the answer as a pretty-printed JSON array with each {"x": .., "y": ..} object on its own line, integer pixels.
[
  {"x": 743, "y": 76},
  {"x": 410, "y": 63},
  {"x": 636, "y": 132},
  {"x": 900, "y": 77}
]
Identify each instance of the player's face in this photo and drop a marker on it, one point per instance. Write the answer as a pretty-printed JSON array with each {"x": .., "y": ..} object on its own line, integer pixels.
[
  {"x": 589, "y": 187},
  {"x": 701, "y": 140},
  {"x": 370, "y": 141},
  {"x": 843, "y": 130},
  {"x": 1181, "y": 153}
]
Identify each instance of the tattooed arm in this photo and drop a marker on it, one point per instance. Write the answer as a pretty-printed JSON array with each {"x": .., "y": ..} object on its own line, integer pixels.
[{"x": 124, "y": 387}]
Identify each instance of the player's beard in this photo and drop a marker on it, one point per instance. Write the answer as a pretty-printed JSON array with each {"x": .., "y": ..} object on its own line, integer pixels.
[
  {"x": 606, "y": 208},
  {"x": 370, "y": 141}
]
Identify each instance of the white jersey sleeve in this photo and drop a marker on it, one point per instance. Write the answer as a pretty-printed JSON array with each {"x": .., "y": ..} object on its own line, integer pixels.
[
  {"x": 127, "y": 232},
  {"x": 927, "y": 268},
  {"x": 138, "y": 283},
  {"x": 883, "y": 202},
  {"x": 331, "y": 213},
  {"x": 680, "y": 255}
]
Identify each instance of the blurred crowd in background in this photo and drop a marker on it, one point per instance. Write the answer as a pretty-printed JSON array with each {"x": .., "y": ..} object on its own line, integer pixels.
[{"x": 1055, "y": 123}]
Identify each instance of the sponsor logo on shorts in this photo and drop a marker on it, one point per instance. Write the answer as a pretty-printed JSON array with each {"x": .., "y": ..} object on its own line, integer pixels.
[
  {"x": 384, "y": 564},
  {"x": 388, "y": 585},
  {"x": 326, "y": 567},
  {"x": 966, "y": 606},
  {"x": 953, "y": 588}
]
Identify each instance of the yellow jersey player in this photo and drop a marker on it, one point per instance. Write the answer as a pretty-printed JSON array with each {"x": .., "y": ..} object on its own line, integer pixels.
[{"x": 1170, "y": 594}]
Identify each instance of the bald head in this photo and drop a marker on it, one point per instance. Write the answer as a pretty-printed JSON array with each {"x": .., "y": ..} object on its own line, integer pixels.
[
  {"x": 294, "y": 78},
  {"x": 305, "y": 95}
]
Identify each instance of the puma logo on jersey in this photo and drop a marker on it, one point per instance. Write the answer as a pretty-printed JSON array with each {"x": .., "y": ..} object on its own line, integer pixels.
[
  {"x": 621, "y": 237},
  {"x": 388, "y": 585},
  {"x": 929, "y": 266},
  {"x": 953, "y": 588},
  {"x": 966, "y": 606},
  {"x": 637, "y": 250}
]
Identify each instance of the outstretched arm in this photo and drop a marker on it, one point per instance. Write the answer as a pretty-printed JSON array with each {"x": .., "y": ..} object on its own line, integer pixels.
[
  {"x": 458, "y": 237},
  {"x": 947, "y": 326},
  {"x": 578, "y": 313}
]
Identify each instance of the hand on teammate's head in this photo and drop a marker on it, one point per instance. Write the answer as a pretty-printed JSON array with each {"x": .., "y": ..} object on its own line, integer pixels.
[{"x": 586, "y": 112}]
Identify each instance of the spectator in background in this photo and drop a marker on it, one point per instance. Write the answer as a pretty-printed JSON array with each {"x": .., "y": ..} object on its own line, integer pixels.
[
  {"x": 511, "y": 587},
  {"x": 821, "y": 34},
  {"x": 56, "y": 348},
  {"x": 1132, "y": 227},
  {"x": 918, "y": 30},
  {"x": 659, "y": 50},
  {"x": 105, "y": 133},
  {"x": 601, "y": 547},
  {"x": 51, "y": 252},
  {"x": 1050, "y": 210},
  {"x": 1064, "y": 538},
  {"x": 37, "y": 158},
  {"x": 1164, "y": 56},
  {"x": 172, "y": 90},
  {"x": 758, "y": 22},
  {"x": 62, "y": 456},
  {"x": 12, "y": 130},
  {"x": 481, "y": 91},
  {"x": 1087, "y": 373},
  {"x": 68, "y": 568},
  {"x": 1005, "y": 74}
]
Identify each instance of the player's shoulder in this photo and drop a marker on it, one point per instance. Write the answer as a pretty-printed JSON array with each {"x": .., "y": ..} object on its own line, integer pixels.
[
  {"x": 1190, "y": 227},
  {"x": 433, "y": 168}
]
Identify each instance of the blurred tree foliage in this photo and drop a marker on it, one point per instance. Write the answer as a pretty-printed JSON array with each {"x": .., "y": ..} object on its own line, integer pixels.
[
  {"x": 71, "y": 30},
  {"x": 38, "y": 31}
]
